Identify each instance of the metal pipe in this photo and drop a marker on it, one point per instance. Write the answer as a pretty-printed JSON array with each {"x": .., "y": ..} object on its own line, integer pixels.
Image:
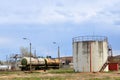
[
  {"x": 59, "y": 55},
  {"x": 90, "y": 58}
]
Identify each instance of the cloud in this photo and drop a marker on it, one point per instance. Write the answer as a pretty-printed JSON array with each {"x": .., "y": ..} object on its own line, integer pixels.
[
  {"x": 48, "y": 11},
  {"x": 45, "y": 21},
  {"x": 5, "y": 40},
  {"x": 117, "y": 22},
  {"x": 109, "y": 14}
]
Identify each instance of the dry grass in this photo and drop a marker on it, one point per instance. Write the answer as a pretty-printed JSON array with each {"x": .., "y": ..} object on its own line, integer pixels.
[{"x": 62, "y": 74}]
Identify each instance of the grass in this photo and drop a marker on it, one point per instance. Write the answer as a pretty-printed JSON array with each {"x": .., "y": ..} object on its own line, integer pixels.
[
  {"x": 100, "y": 79},
  {"x": 57, "y": 78},
  {"x": 107, "y": 78},
  {"x": 56, "y": 74},
  {"x": 9, "y": 72},
  {"x": 42, "y": 78},
  {"x": 117, "y": 78},
  {"x": 61, "y": 71},
  {"x": 37, "y": 75}
]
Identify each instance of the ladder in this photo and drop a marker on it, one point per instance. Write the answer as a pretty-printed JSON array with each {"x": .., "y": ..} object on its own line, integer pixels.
[{"x": 103, "y": 67}]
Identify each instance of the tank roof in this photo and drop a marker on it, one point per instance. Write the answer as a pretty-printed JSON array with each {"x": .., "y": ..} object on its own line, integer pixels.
[{"x": 89, "y": 38}]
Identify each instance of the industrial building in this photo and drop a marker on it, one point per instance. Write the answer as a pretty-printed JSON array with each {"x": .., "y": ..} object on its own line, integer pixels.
[
  {"x": 90, "y": 53},
  {"x": 66, "y": 60}
]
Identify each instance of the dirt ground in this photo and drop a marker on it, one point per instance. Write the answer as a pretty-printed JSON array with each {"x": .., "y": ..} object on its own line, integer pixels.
[{"x": 65, "y": 76}]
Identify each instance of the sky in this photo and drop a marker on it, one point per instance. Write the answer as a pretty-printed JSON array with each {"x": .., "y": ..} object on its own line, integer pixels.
[{"x": 43, "y": 22}]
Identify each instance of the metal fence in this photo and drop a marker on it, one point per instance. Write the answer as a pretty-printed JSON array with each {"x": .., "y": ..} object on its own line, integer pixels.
[{"x": 90, "y": 38}]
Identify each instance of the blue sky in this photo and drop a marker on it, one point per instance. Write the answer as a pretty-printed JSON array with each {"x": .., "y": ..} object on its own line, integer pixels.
[{"x": 46, "y": 21}]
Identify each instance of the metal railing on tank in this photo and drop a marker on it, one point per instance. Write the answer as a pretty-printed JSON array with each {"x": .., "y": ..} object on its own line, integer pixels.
[{"x": 90, "y": 38}]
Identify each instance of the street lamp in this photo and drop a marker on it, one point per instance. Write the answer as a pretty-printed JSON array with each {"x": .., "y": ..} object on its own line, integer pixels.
[
  {"x": 30, "y": 53},
  {"x": 58, "y": 52}
]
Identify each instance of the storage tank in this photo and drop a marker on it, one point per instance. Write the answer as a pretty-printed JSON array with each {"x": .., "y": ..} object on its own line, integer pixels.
[
  {"x": 34, "y": 61},
  {"x": 5, "y": 67},
  {"x": 90, "y": 53},
  {"x": 52, "y": 62}
]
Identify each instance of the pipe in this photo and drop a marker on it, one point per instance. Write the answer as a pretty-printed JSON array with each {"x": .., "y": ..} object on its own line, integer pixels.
[{"x": 90, "y": 58}]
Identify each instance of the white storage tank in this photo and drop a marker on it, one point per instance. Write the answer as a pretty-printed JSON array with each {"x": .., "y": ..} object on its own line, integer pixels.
[
  {"x": 90, "y": 53},
  {"x": 5, "y": 67}
]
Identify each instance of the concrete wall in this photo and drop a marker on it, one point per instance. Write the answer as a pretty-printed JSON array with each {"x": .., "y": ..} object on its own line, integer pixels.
[{"x": 89, "y": 56}]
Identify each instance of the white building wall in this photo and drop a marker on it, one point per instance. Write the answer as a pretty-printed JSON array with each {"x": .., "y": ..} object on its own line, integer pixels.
[
  {"x": 75, "y": 61},
  {"x": 84, "y": 55},
  {"x": 105, "y": 56},
  {"x": 81, "y": 55}
]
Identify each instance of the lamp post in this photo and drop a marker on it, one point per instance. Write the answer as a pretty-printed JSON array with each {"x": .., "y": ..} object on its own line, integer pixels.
[
  {"x": 30, "y": 53},
  {"x": 58, "y": 52}
]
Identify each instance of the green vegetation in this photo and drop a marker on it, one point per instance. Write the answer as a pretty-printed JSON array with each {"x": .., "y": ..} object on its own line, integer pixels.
[
  {"x": 117, "y": 78},
  {"x": 56, "y": 78},
  {"x": 42, "y": 78},
  {"x": 57, "y": 74},
  {"x": 61, "y": 71},
  {"x": 100, "y": 79},
  {"x": 9, "y": 72},
  {"x": 107, "y": 78}
]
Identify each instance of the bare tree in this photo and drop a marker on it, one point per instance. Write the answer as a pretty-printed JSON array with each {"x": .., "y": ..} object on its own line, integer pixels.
[
  {"x": 1, "y": 63},
  {"x": 24, "y": 52}
]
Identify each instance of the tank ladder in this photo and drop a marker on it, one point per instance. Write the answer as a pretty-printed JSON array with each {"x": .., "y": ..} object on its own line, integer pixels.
[
  {"x": 103, "y": 67},
  {"x": 110, "y": 54}
]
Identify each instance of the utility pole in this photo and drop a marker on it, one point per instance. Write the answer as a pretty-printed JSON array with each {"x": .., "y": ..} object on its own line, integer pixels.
[
  {"x": 59, "y": 55},
  {"x": 58, "y": 52},
  {"x": 30, "y": 53}
]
